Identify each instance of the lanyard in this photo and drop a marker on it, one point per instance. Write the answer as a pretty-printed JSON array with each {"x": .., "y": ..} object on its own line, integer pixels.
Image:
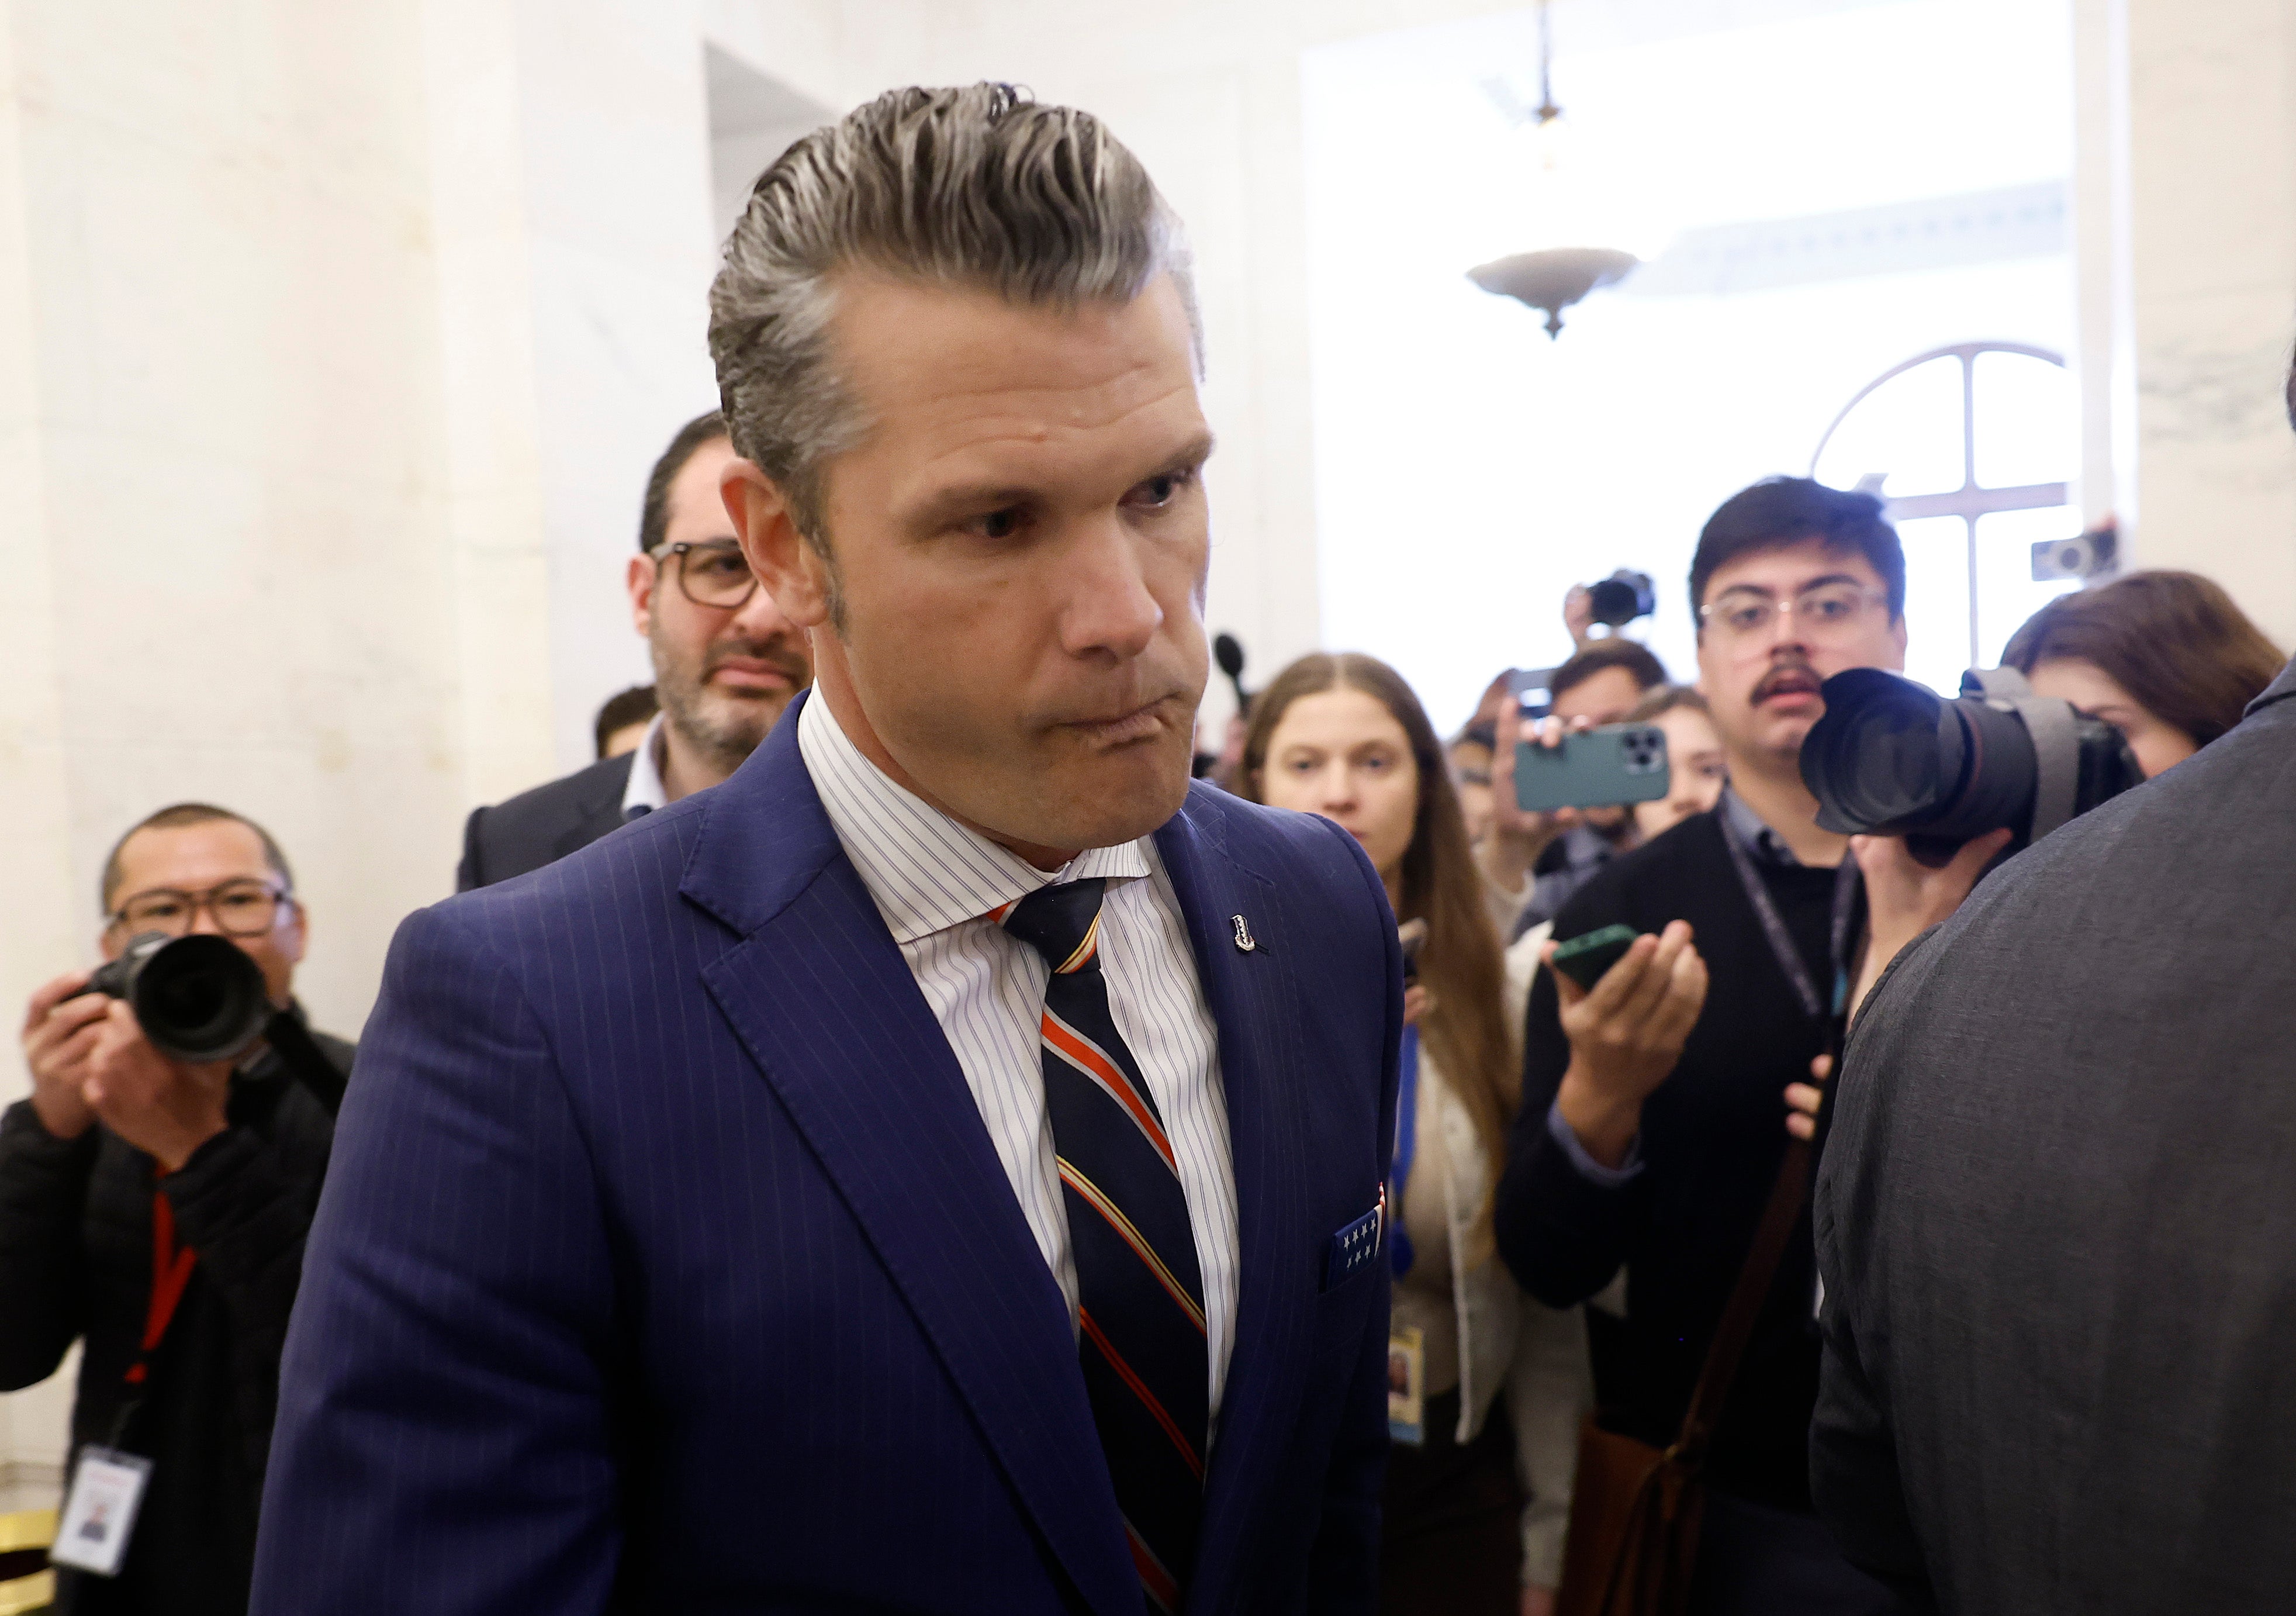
[
  {"x": 1847, "y": 887},
  {"x": 1407, "y": 1146},
  {"x": 171, "y": 1271}
]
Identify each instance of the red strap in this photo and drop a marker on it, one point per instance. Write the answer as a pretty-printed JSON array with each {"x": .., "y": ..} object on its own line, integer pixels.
[{"x": 171, "y": 1271}]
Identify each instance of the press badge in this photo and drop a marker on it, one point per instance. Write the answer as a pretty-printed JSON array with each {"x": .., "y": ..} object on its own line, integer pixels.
[
  {"x": 106, "y": 1491},
  {"x": 1407, "y": 1387}
]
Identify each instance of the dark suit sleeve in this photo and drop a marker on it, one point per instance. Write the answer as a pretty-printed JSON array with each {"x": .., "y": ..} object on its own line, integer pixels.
[
  {"x": 471, "y": 872},
  {"x": 43, "y": 1197},
  {"x": 1854, "y": 1479},
  {"x": 443, "y": 1438},
  {"x": 1344, "y": 1574},
  {"x": 1561, "y": 1235}
]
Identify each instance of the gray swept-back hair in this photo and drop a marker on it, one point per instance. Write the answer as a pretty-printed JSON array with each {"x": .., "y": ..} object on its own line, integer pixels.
[{"x": 980, "y": 187}]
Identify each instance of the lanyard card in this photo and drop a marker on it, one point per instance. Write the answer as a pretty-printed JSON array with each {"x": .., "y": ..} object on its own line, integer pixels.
[
  {"x": 106, "y": 1491},
  {"x": 1407, "y": 1387}
]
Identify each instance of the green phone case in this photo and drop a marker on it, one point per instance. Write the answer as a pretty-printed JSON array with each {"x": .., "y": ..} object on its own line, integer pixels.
[
  {"x": 1584, "y": 959},
  {"x": 1615, "y": 765}
]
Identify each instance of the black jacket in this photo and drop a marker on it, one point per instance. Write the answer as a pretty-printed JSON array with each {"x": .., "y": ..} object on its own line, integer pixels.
[
  {"x": 75, "y": 1263},
  {"x": 2057, "y": 1219},
  {"x": 1712, "y": 1138},
  {"x": 540, "y": 827}
]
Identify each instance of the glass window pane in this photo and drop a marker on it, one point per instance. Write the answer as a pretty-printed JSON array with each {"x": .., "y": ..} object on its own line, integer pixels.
[
  {"x": 1937, "y": 601},
  {"x": 2028, "y": 422},
  {"x": 1908, "y": 428},
  {"x": 2007, "y": 593}
]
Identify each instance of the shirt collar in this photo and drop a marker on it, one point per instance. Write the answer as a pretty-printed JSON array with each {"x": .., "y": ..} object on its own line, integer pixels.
[
  {"x": 926, "y": 872},
  {"x": 1765, "y": 843},
  {"x": 645, "y": 791}
]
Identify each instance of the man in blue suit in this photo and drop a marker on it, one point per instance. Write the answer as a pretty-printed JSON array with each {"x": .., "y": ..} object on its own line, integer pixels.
[{"x": 939, "y": 1168}]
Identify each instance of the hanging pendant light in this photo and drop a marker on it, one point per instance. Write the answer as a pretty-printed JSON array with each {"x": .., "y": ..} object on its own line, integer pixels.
[{"x": 1553, "y": 279}]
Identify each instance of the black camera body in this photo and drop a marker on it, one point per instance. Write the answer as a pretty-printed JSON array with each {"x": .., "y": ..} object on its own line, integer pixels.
[
  {"x": 1891, "y": 758},
  {"x": 1622, "y": 597},
  {"x": 198, "y": 998}
]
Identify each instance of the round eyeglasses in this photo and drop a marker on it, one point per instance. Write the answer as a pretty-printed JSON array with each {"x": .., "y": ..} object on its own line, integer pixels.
[
  {"x": 1828, "y": 613},
  {"x": 242, "y": 908},
  {"x": 711, "y": 573}
]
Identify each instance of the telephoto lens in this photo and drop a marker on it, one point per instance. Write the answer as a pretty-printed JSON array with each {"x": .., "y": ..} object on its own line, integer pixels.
[
  {"x": 1891, "y": 758},
  {"x": 198, "y": 998},
  {"x": 1620, "y": 598}
]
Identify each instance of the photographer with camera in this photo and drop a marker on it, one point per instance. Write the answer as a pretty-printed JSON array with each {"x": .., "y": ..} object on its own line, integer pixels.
[
  {"x": 1650, "y": 1136},
  {"x": 157, "y": 1207}
]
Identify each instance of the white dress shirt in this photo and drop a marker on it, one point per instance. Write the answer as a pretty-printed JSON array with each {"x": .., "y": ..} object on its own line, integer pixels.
[
  {"x": 645, "y": 791},
  {"x": 935, "y": 882}
]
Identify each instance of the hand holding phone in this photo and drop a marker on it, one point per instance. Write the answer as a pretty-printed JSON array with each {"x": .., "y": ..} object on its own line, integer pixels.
[{"x": 1626, "y": 1033}]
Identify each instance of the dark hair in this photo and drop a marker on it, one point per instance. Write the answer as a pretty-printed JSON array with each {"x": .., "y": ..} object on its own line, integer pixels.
[
  {"x": 635, "y": 705},
  {"x": 175, "y": 816},
  {"x": 1665, "y": 699},
  {"x": 1466, "y": 1028},
  {"x": 1483, "y": 733},
  {"x": 1646, "y": 670},
  {"x": 1781, "y": 511},
  {"x": 2174, "y": 641},
  {"x": 653, "y": 515}
]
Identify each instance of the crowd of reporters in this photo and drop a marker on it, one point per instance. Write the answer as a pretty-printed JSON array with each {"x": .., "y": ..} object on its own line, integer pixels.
[{"x": 1589, "y": 1166}]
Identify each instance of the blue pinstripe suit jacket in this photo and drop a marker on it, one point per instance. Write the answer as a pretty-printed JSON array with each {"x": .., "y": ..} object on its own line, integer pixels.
[{"x": 665, "y": 1263}]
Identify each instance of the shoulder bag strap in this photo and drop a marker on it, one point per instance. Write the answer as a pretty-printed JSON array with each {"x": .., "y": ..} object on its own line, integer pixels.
[{"x": 1787, "y": 1197}]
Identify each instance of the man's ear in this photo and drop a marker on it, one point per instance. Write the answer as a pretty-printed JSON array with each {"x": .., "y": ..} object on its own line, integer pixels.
[
  {"x": 1898, "y": 638},
  {"x": 645, "y": 573},
  {"x": 792, "y": 572}
]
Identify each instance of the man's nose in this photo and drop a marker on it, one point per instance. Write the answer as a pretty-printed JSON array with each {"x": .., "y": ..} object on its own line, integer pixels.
[
  {"x": 1786, "y": 631},
  {"x": 203, "y": 921},
  {"x": 1106, "y": 602}
]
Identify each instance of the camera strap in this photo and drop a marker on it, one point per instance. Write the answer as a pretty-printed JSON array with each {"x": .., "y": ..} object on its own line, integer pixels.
[
  {"x": 1847, "y": 887},
  {"x": 2056, "y": 743}
]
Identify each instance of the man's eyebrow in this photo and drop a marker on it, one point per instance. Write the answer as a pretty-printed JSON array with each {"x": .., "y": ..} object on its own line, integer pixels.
[
  {"x": 998, "y": 496},
  {"x": 1803, "y": 589}
]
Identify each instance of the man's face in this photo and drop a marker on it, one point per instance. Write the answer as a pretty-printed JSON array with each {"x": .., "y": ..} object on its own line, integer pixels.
[
  {"x": 1763, "y": 684},
  {"x": 1017, "y": 553},
  {"x": 723, "y": 675},
  {"x": 196, "y": 859}
]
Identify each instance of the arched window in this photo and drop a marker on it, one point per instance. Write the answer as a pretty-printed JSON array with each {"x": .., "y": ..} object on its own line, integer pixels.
[{"x": 1973, "y": 448}]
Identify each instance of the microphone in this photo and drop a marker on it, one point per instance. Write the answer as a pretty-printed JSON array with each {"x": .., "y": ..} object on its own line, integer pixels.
[{"x": 1228, "y": 653}]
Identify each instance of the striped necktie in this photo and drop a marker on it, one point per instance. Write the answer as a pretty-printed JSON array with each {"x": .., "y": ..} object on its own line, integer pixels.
[{"x": 1141, "y": 1297}]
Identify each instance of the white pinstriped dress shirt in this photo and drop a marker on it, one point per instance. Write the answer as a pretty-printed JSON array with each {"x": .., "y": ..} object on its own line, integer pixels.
[{"x": 935, "y": 882}]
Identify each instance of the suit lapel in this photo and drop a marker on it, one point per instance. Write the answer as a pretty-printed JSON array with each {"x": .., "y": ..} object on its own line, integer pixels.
[
  {"x": 823, "y": 1002},
  {"x": 1253, "y": 997}
]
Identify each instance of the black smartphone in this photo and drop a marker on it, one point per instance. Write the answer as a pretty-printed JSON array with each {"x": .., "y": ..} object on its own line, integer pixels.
[{"x": 1585, "y": 959}]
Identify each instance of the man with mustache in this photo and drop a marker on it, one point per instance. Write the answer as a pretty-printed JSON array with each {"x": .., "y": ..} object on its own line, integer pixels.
[
  {"x": 725, "y": 664},
  {"x": 939, "y": 1168},
  {"x": 1652, "y": 1125}
]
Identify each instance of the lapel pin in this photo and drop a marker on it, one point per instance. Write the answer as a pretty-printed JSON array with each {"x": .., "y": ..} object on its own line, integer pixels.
[{"x": 1242, "y": 935}]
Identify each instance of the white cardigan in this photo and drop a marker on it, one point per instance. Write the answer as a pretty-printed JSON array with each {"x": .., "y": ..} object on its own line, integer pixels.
[{"x": 1537, "y": 1353}]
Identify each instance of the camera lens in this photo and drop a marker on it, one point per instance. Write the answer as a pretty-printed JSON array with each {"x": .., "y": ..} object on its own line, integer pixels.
[
  {"x": 1614, "y": 602},
  {"x": 198, "y": 998}
]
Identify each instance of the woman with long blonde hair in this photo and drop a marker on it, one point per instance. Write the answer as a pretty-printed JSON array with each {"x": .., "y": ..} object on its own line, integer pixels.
[{"x": 1475, "y": 1505}]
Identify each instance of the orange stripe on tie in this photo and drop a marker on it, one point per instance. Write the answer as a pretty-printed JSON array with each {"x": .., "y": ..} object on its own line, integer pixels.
[
  {"x": 1087, "y": 1057},
  {"x": 1139, "y": 1387},
  {"x": 1090, "y": 1193}
]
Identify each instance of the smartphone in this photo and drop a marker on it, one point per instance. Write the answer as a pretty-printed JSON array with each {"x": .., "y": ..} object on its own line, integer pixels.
[
  {"x": 1528, "y": 687},
  {"x": 1584, "y": 959},
  {"x": 1616, "y": 764}
]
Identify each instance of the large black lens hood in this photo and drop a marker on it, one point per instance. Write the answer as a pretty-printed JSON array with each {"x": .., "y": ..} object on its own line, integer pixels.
[
  {"x": 1886, "y": 757},
  {"x": 198, "y": 998}
]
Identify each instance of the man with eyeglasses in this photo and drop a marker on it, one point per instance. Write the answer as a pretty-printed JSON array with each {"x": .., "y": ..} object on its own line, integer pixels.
[
  {"x": 725, "y": 664},
  {"x": 157, "y": 1212},
  {"x": 1654, "y": 1129}
]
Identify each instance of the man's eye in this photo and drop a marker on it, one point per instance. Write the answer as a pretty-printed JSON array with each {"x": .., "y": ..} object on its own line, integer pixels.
[
  {"x": 1160, "y": 490},
  {"x": 998, "y": 524},
  {"x": 1746, "y": 618},
  {"x": 720, "y": 563}
]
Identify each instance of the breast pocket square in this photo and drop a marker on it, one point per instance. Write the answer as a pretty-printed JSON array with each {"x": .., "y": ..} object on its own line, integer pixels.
[{"x": 1352, "y": 1249}]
